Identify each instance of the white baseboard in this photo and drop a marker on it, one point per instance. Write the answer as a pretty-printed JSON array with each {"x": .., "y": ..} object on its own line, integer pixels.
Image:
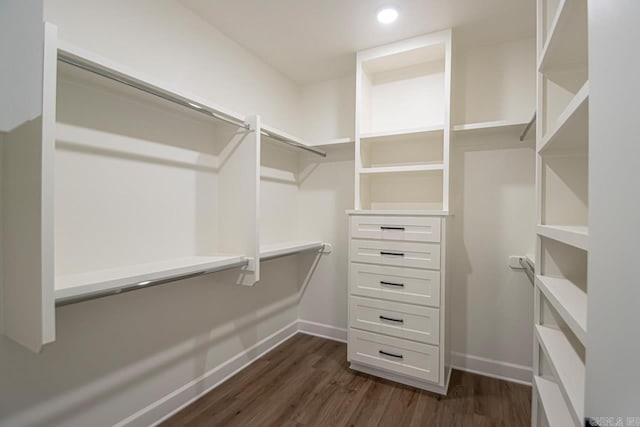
[
  {"x": 492, "y": 368},
  {"x": 322, "y": 330},
  {"x": 162, "y": 409}
]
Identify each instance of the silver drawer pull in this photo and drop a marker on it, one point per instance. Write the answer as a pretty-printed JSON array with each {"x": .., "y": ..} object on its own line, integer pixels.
[
  {"x": 397, "y": 356},
  {"x": 391, "y": 319},
  {"x": 392, "y": 253},
  {"x": 391, "y": 228},
  {"x": 400, "y": 285}
]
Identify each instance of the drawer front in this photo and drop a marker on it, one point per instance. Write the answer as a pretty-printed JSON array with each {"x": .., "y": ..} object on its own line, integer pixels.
[
  {"x": 396, "y": 284},
  {"x": 406, "y": 228},
  {"x": 399, "y": 254},
  {"x": 400, "y": 320},
  {"x": 407, "y": 358}
]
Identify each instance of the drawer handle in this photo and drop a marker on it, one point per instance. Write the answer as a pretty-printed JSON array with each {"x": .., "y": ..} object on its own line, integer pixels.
[
  {"x": 391, "y": 228},
  {"x": 392, "y": 253},
  {"x": 397, "y": 356},
  {"x": 400, "y": 285},
  {"x": 391, "y": 319}
]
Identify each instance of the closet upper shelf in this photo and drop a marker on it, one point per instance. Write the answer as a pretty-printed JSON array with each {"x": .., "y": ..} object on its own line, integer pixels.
[
  {"x": 277, "y": 250},
  {"x": 403, "y": 169},
  {"x": 89, "y": 61},
  {"x": 402, "y": 132},
  {"x": 78, "y": 287},
  {"x": 499, "y": 125},
  {"x": 576, "y": 236}
]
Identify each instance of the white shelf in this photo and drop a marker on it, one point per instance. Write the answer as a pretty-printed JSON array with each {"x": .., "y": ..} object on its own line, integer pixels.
[
  {"x": 403, "y": 132},
  {"x": 569, "y": 301},
  {"x": 76, "y": 285},
  {"x": 567, "y": 365},
  {"x": 500, "y": 125},
  {"x": 576, "y": 236},
  {"x": 337, "y": 142},
  {"x": 566, "y": 43},
  {"x": 277, "y": 250},
  {"x": 408, "y": 212},
  {"x": 403, "y": 169},
  {"x": 553, "y": 403},
  {"x": 572, "y": 127}
]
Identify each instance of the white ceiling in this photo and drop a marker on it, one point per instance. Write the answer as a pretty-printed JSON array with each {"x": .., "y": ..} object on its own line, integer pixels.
[{"x": 314, "y": 40}]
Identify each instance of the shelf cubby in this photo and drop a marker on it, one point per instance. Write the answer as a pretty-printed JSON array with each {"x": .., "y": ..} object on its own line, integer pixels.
[
  {"x": 414, "y": 149},
  {"x": 565, "y": 190},
  {"x": 553, "y": 404},
  {"x": 402, "y": 191},
  {"x": 570, "y": 132},
  {"x": 565, "y": 42}
]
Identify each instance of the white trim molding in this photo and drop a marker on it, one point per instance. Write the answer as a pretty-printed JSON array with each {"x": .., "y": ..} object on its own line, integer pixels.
[
  {"x": 512, "y": 372},
  {"x": 321, "y": 330}
]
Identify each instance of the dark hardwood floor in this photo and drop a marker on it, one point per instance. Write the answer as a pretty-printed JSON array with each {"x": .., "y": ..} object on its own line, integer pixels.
[{"x": 306, "y": 381}]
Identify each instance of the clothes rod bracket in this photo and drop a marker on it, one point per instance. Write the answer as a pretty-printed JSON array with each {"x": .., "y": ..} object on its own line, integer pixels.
[{"x": 526, "y": 129}]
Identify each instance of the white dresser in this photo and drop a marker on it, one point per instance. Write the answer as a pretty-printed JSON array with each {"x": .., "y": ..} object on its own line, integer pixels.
[{"x": 397, "y": 304}]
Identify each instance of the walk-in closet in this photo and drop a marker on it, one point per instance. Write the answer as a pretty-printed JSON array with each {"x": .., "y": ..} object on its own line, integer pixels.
[{"x": 319, "y": 213}]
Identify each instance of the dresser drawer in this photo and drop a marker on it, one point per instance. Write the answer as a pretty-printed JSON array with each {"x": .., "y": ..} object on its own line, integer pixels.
[
  {"x": 405, "y": 228},
  {"x": 400, "y": 254},
  {"x": 400, "y": 320},
  {"x": 396, "y": 284},
  {"x": 394, "y": 354}
]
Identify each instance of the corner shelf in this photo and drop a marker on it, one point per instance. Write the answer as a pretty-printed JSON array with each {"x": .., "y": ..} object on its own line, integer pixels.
[
  {"x": 277, "y": 250},
  {"x": 571, "y": 128},
  {"x": 402, "y": 132},
  {"x": 403, "y": 169},
  {"x": 336, "y": 142},
  {"x": 552, "y": 402},
  {"x": 567, "y": 366},
  {"x": 565, "y": 44},
  {"x": 572, "y": 235},
  {"x": 76, "y": 286},
  {"x": 569, "y": 301},
  {"x": 499, "y": 125}
]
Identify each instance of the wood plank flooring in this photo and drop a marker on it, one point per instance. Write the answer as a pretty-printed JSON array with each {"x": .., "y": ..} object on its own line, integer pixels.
[{"x": 306, "y": 381}]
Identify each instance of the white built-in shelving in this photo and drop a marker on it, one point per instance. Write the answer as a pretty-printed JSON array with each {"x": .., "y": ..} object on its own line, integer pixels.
[
  {"x": 569, "y": 300},
  {"x": 561, "y": 288},
  {"x": 403, "y": 125},
  {"x": 139, "y": 184},
  {"x": 494, "y": 126},
  {"x": 552, "y": 402}
]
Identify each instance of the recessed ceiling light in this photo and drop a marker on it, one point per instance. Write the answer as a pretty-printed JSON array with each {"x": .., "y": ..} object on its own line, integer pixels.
[{"x": 387, "y": 15}]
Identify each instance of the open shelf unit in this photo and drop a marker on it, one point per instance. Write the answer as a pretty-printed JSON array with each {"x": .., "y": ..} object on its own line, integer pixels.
[
  {"x": 403, "y": 95},
  {"x": 562, "y": 161},
  {"x": 135, "y": 183}
]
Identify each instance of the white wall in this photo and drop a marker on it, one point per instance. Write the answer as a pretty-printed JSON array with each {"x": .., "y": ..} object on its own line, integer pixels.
[
  {"x": 164, "y": 40},
  {"x": 1, "y": 228},
  {"x": 115, "y": 356},
  {"x": 493, "y": 203},
  {"x": 328, "y": 109},
  {"x": 612, "y": 375},
  {"x": 495, "y": 82},
  {"x": 21, "y": 34},
  {"x": 326, "y": 192}
]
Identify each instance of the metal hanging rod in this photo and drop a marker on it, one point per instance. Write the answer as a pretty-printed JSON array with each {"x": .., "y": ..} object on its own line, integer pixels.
[
  {"x": 526, "y": 129},
  {"x": 528, "y": 269},
  {"x": 95, "y": 69},
  {"x": 292, "y": 143},
  {"x": 147, "y": 284}
]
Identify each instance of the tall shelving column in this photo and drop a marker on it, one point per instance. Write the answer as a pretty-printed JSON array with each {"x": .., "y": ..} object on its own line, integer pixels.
[{"x": 560, "y": 293}]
